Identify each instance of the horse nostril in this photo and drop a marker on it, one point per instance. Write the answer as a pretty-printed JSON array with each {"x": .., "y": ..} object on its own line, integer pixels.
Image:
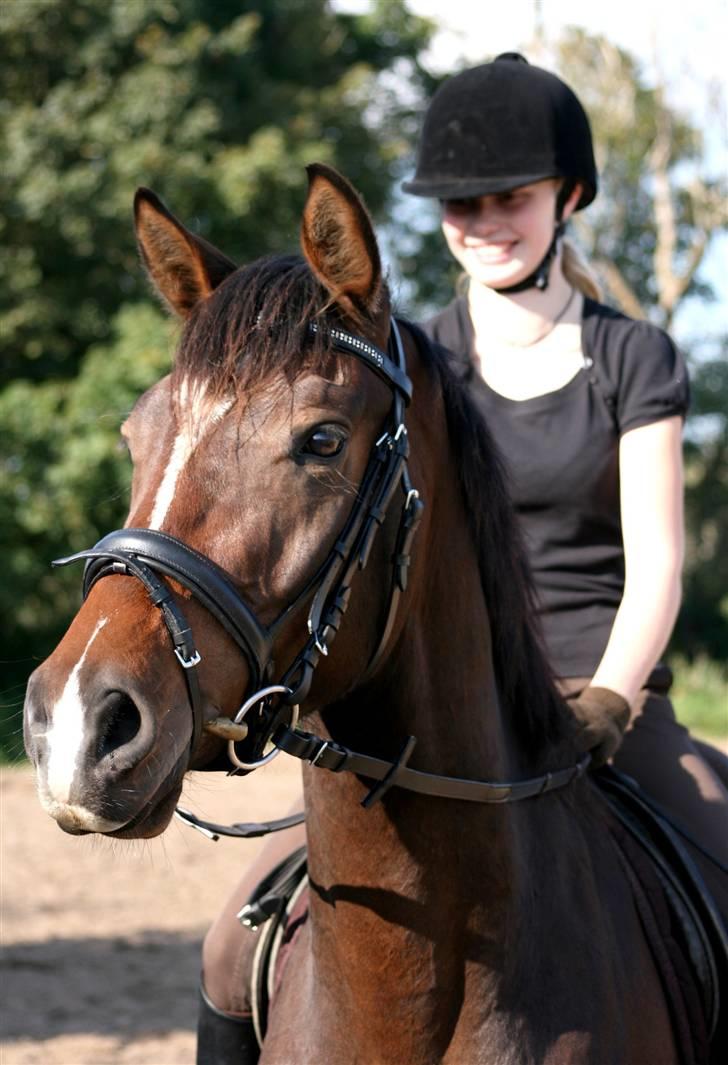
[{"x": 120, "y": 723}]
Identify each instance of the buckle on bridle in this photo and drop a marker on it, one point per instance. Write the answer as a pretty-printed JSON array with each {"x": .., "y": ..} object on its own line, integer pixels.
[{"x": 188, "y": 663}]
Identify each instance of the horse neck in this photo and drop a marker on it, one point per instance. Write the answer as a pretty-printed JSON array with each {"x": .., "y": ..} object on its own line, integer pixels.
[{"x": 409, "y": 863}]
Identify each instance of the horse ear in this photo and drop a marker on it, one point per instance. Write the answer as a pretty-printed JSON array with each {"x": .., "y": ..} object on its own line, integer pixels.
[
  {"x": 183, "y": 267},
  {"x": 339, "y": 243}
]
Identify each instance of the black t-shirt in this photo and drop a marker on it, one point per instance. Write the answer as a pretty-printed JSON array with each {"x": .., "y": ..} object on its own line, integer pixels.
[{"x": 561, "y": 450}]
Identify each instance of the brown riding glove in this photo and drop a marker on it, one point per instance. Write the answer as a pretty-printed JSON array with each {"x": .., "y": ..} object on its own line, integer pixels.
[{"x": 602, "y": 716}]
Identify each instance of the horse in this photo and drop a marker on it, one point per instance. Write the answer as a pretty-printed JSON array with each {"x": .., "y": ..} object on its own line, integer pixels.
[{"x": 469, "y": 900}]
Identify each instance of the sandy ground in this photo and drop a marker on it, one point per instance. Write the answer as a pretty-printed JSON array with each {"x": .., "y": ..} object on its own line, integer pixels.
[{"x": 101, "y": 939}]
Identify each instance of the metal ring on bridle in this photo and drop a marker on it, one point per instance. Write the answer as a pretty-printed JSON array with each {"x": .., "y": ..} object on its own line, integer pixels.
[{"x": 258, "y": 697}]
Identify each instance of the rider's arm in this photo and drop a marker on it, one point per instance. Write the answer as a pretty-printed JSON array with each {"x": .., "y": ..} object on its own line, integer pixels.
[{"x": 651, "y": 500}]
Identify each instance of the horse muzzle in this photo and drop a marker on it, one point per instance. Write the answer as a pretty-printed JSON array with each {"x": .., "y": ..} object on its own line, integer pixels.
[{"x": 97, "y": 754}]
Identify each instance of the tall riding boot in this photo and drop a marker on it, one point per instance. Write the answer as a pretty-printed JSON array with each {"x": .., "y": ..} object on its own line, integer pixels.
[{"x": 223, "y": 1039}]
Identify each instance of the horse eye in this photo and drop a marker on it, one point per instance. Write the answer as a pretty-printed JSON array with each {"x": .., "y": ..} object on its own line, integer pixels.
[{"x": 325, "y": 442}]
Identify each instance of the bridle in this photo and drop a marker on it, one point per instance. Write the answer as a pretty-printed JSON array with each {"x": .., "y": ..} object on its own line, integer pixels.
[
  {"x": 151, "y": 555},
  {"x": 266, "y": 722}
]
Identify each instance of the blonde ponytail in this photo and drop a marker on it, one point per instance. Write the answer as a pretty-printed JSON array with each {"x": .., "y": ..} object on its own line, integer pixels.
[{"x": 577, "y": 271}]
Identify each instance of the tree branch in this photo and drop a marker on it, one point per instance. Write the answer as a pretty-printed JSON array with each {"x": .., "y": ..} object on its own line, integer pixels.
[{"x": 620, "y": 288}]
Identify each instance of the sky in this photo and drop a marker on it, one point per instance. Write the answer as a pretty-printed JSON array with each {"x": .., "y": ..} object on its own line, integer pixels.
[
  {"x": 681, "y": 44},
  {"x": 686, "y": 40}
]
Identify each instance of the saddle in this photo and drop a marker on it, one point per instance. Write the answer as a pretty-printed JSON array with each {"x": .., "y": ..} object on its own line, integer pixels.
[
  {"x": 280, "y": 904},
  {"x": 682, "y": 922}
]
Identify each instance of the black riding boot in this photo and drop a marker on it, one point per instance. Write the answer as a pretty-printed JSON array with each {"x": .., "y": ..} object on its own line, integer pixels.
[{"x": 222, "y": 1039}]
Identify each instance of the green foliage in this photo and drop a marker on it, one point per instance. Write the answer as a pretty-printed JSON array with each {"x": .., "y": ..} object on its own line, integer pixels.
[
  {"x": 218, "y": 106},
  {"x": 65, "y": 480},
  {"x": 700, "y": 696}
]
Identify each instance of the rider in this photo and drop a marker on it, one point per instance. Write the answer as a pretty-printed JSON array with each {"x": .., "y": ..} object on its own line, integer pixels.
[{"x": 586, "y": 406}]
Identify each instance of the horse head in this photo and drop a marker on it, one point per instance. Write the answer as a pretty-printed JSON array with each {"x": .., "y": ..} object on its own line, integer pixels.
[{"x": 263, "y": 466}]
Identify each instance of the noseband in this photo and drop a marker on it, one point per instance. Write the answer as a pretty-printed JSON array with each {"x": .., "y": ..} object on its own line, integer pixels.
[{"x": 151, "y": 555}]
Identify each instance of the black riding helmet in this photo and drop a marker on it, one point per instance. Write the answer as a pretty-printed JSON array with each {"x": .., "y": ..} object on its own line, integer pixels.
[{"x": 501, "y": 125}]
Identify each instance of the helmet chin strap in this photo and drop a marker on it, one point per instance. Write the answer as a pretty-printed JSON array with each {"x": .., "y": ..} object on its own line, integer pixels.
[{"x": 538, "y": 278}]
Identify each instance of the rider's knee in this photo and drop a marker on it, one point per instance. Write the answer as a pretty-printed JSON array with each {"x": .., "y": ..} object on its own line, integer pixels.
[{"x": 227, "y": 961}]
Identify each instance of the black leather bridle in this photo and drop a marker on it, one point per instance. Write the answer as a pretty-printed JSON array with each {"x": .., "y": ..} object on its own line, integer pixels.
[
  {"x": 271, "y": 710},
  {"x": 151, "y": 555}
]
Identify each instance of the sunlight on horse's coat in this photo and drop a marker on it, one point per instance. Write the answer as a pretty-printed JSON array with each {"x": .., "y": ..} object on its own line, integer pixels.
[{"x": 199, "y": 415}]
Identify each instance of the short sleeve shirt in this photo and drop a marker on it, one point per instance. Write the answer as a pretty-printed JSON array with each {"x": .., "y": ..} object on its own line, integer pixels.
[{"x": 561, "y": 450}]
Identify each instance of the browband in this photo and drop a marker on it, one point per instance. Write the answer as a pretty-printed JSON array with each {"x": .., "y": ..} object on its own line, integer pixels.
[{"x": 372, "y": 356}]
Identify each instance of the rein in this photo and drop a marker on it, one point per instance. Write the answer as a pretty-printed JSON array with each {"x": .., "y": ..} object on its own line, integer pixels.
[
  {"x": 265, "y": 723},
  {"x": 325, "y": 754}
]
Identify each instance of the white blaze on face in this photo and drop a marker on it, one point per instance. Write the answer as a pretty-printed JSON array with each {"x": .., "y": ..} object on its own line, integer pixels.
[
  {"x": 65, "y": 737},
  {"x": 198, "y": 415}
]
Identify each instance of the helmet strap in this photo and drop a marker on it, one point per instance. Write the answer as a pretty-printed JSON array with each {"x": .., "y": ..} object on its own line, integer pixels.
[{"x": 538, "y": 278}]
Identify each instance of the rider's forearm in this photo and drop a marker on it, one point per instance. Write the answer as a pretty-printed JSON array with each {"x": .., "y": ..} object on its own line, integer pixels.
[{"x": 642, "y": 627}]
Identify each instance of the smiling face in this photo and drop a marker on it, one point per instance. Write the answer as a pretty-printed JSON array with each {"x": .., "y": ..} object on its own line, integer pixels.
[{"x": 499, "y": 240}]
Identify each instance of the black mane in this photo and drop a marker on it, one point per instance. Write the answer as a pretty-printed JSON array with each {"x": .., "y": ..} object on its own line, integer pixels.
[{"x": 525, "y": 682}]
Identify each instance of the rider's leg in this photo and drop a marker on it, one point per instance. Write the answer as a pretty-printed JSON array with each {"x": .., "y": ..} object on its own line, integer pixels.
[
  {"x": 662, "y": 757},
  {"x": 227, "y": 957}
]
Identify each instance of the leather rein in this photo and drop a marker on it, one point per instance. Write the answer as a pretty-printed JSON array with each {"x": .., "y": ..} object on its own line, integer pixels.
[{"x": 266, "y": 722}]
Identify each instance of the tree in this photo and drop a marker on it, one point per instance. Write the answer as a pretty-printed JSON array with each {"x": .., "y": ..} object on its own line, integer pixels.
[
  {"x": 657, "y": 210},
  {"x": 217, "y": 106}
]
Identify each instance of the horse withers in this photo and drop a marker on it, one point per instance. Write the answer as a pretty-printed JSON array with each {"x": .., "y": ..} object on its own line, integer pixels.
[{"x": 446, "y": 923}]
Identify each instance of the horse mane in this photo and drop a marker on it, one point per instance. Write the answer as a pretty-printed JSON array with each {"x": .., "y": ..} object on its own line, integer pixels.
[
  {"x": 525, "y": 681},
  {"x": 257, "y": 324}
]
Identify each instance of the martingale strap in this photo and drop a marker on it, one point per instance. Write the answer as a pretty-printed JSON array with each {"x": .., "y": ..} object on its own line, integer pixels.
[{"x": 326, "y": 754}]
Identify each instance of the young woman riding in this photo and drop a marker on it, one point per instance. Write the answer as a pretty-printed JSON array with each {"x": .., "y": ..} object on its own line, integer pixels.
[{"x": 587, "y": 408}]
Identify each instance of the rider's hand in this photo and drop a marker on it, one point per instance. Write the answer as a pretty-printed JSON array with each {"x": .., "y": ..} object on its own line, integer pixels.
[{"x": 602, "y": 716}]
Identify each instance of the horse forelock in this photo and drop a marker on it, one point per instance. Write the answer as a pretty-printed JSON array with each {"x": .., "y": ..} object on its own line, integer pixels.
[{"x": 255, "y": 326}]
